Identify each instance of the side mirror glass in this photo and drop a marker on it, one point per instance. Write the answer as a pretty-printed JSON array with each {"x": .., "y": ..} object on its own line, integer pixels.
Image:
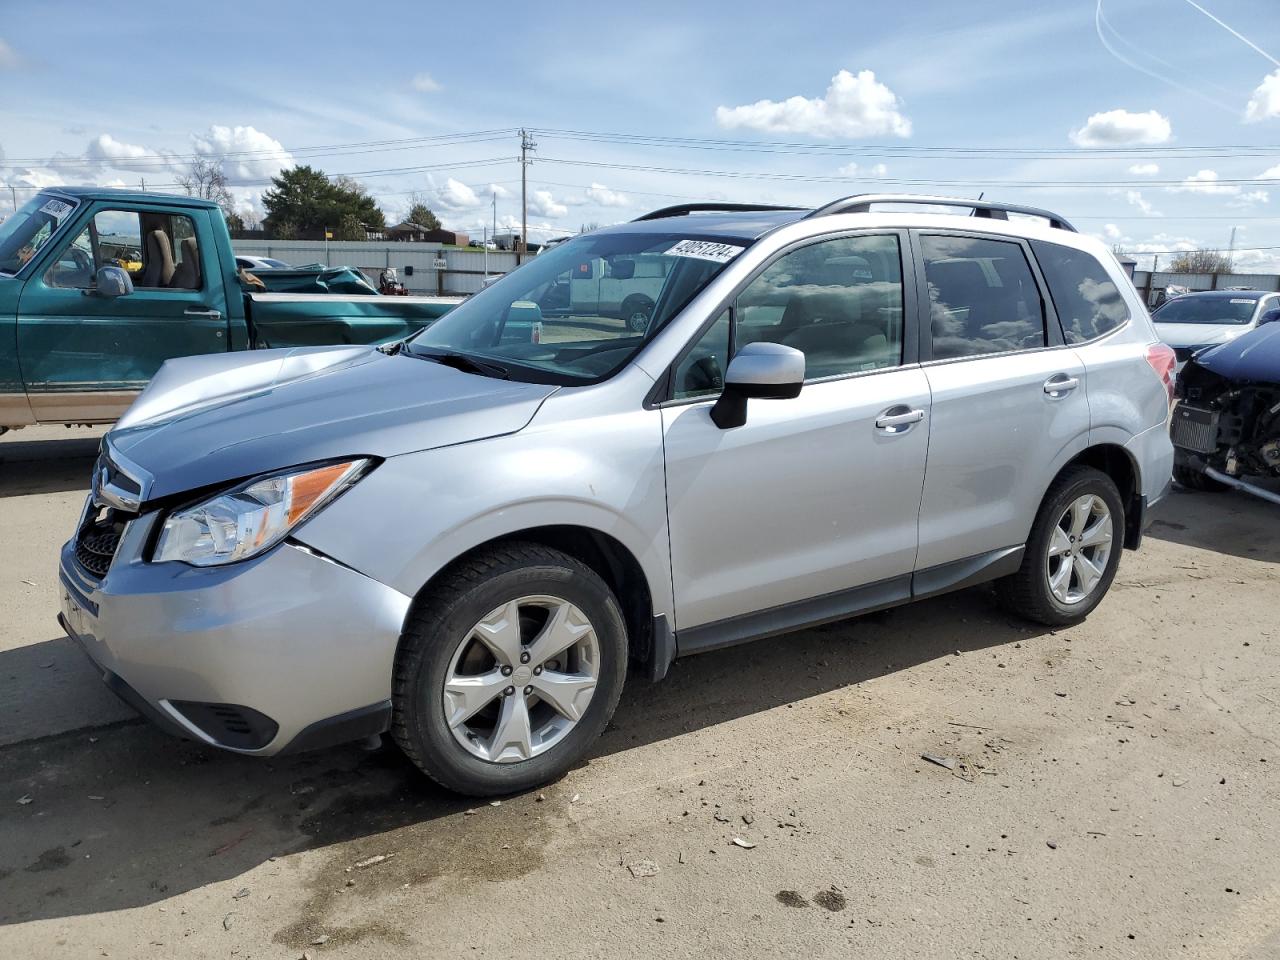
[
  {"x": 1269, "y": 316},
  {"x": 760, "y": 371},
  {"x": 111, "y": 281}
]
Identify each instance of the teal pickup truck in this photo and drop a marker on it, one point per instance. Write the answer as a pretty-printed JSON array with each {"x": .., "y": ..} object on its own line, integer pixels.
[{"x": 99, "y": 287}]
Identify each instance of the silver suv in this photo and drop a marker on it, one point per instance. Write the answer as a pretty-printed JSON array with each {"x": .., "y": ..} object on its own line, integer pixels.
[{"x": 466, "y": 538}]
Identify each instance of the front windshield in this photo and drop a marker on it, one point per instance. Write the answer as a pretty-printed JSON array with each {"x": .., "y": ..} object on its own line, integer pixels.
[
  {"x": 580, "y": 311},
  {"x": 1237, "y": 310},
  {"x": 30, "y": 228}
]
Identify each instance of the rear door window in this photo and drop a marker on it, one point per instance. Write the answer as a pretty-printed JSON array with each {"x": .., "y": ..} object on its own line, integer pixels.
[
  {"x": 983, "y": 297},
  {"x": 1087, "y": 300}
]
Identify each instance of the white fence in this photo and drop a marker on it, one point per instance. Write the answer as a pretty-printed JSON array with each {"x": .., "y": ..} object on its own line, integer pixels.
[{"x": 464, "y": 270}]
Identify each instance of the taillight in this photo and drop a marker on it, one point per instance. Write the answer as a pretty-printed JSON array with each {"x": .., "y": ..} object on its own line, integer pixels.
[{"x": 1163, "y": 361}]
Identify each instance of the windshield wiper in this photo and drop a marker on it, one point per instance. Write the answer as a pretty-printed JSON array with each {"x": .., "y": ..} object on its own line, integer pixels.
[{"x": 460, "y": 361}]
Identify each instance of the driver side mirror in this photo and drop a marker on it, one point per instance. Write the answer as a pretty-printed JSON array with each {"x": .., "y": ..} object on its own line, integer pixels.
[
  {"x": 761, "y": 371},
  {"x": 1269, "y": 316},
  {"x": 112, "y": 281}
]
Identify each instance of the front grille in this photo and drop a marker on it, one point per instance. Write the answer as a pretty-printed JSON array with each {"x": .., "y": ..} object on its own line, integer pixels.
[
  {"x": 1194, "y": 429},
  {"x": 99, "y": 539}
]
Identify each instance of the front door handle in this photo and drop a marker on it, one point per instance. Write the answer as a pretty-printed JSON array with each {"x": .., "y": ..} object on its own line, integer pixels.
[
  {"x": 898, "y": 419},
  {"x": 201, "y": 312},
  {"x": 1059, "y": 385}
]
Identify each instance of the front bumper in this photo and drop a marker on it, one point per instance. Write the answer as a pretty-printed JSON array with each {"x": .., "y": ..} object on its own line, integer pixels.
[{"x": 290, "y": 650}]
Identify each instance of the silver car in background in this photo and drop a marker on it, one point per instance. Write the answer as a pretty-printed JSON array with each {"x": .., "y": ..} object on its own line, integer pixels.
[
  {"x": 1196, "y": 321},
  {"x": 467, "y": 538}
]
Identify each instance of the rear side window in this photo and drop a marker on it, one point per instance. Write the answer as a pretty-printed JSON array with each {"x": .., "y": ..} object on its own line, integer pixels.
[
  {"x": 1087, "y": 300},
  {"x": 983, "y": 297}
]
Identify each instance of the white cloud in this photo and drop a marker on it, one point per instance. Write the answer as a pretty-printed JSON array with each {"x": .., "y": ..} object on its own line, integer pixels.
[
  {"x": 1111, "y": 231},
  {"x": 245, "y": 153},
  {"x": 544, "y": 204},
  {"x": 425, "y": 83},
  {"x": 1248, "y": 198},
  {"x": 1145, "y": 169},
  {"x": 107, "y": 148},
  {"x": 456, "y": 195},
  {"x": 1122, "y": 128},
  {"x": 1265, "y": 102},
  {"x": 1272, "y": 173},
  {"x": 602, "y": 195},
  {"x": 853, "y": 106},
  {"x": 853, "y": 170},
  {"x": 498, "y": 190},
  {"x": 9, "y": 59},
  {"x": 1205, "y": 181},
  {"x": 1135, "y": 199}
]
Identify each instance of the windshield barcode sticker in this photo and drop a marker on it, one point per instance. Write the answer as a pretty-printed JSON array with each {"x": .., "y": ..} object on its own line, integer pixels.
[
  {"x": 56, "y": 209},
  {"x": 1242, "y": 300},
  {"x": 705, "y": 250}
]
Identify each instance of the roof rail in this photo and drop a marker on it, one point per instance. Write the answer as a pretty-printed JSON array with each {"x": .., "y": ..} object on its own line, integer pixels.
[
  {"x": 682, "y": 209},
  {"x": 861, "y": 203}
]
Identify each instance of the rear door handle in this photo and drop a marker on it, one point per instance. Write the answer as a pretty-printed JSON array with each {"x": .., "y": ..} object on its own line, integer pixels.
[
  {"x": 1059, "y": 385},
  {"x": 200, "y": 312},
  {"x": 898, "y": 419}
]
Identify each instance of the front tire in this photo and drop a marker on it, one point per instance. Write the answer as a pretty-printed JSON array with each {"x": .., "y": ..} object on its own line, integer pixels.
[
  {"x": 636, "y": 311},
  {"x": 509, "y": 671},
  {"x": 1073, "y": 551},
  {"x": 1193, "y": 479}
]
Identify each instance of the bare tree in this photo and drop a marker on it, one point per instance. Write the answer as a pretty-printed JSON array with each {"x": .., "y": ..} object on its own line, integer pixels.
[
  {"x": 1201, "y": 261},
  {"x": 204, "y": 179}
]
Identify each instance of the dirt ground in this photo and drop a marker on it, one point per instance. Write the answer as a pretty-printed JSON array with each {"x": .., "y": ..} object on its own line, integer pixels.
[{"x": 1115, "y": 789}]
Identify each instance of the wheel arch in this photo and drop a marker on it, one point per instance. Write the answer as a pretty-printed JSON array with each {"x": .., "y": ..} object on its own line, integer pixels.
[
  {"x": 611, "y": 559},
  {"x": 1117, "y": 463}
]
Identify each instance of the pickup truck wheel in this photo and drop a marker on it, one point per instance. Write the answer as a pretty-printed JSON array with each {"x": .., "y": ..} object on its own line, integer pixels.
[
  {"x": 510, "y": 670},
  {"x": 1073, "y": 552},
  {"x": 636, "y": 310},
  {"x": 1193, "y": 479}
]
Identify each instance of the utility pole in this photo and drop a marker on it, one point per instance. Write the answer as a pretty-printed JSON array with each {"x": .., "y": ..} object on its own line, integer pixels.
[
  {"x": 15, "y": 197},
  {"x": 142, "y": 182},
  {"x": 526, "y": 145},
  {"x": 1231, "y": 249}
]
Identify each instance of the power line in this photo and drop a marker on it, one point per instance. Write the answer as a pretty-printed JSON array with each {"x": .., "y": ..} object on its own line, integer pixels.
[{"x": 908, "y": 181}]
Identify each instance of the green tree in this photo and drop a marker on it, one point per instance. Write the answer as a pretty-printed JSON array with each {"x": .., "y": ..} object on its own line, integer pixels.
[
  {"x": 304, "y": 200},
  {"x": 421, "y": 214}
]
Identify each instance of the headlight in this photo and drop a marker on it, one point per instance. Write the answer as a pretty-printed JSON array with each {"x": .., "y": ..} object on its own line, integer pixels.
[{"x": 253, "y": 517}]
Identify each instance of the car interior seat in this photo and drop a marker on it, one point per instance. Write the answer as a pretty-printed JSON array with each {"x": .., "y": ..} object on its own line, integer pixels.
[
  {"x": 159, "y": 267},
  {"x": 186, "y": 275}
]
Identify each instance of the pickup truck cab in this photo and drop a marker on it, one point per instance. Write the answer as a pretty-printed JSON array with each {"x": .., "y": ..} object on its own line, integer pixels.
[{"x": 77, "y": 344}]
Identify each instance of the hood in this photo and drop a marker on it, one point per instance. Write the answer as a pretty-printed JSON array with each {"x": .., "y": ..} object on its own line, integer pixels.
[
  {"x": 212, "y": 419},
  {"x": 1199, "y": 334},
  {"x": 1254, "y": 356}
]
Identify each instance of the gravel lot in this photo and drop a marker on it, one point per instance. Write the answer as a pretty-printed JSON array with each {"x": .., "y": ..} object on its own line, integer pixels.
[{"x": 1115, "y": 788}]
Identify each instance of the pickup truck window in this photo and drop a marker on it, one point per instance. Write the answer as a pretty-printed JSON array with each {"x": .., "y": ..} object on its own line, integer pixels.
[
  {"x": 160, "y": 250},
  {"x": 30, "y": 228}
]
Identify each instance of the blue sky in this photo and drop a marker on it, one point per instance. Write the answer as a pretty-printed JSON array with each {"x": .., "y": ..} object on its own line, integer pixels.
[{"x": 987, "y": 94}]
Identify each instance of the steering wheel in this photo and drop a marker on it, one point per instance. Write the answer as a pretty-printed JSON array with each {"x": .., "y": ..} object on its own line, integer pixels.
[{"x": 82, "y": 260}]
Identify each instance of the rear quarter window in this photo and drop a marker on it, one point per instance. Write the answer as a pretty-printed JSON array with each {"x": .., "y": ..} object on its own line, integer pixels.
[{"x": 1086, "y": 298}]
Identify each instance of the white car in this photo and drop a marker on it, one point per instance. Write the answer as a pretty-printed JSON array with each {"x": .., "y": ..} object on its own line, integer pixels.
[
  {"x": 1197, "y": 320},
  {"x": 261, "y": 263}
]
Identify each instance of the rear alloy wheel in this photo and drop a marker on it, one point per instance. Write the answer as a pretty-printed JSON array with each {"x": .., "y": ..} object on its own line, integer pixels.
[
  {"x": 509, "y": 672},
  {"x": 1073, "y": 552}
]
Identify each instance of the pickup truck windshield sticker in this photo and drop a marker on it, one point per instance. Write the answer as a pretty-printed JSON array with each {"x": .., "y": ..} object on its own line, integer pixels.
[
  {"x": 56, "y": 209},
  {"x": 705, "y": 250}
]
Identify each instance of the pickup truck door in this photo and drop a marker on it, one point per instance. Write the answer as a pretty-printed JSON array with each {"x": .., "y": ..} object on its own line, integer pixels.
[{"x": 83, "y": 356}]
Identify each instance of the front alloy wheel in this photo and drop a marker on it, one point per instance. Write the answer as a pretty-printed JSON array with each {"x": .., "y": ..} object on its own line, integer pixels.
[
  {"x": 508, "y": 669},
  {"x": 521, "y": 679}
]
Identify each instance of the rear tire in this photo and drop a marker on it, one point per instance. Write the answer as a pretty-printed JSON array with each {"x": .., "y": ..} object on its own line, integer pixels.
[
  {"x": 636, "y": 311},
  {"x": 515, "y": 740},
  {"x": 1081, "y": 525},
  {"x": 1193, "y": 479}
]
